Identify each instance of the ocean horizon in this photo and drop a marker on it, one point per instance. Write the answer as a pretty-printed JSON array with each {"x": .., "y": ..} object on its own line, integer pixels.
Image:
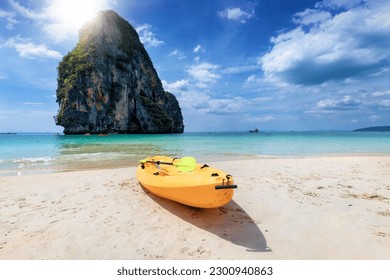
[{"x": 36, "y": 152}]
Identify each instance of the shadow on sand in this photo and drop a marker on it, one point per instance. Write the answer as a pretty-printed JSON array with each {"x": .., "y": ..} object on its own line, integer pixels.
[{"x": 229, "y": 222}]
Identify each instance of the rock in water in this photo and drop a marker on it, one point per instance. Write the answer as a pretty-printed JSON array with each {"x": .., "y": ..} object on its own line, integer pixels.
[{"x": 107, "y": 84}]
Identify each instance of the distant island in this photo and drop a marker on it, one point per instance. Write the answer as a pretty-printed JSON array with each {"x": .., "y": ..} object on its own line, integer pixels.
[{"x": 374, "y": 128}]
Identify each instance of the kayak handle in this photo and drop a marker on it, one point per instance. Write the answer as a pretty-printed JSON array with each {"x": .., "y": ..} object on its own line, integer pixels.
[{"x": 226, "y": 187}]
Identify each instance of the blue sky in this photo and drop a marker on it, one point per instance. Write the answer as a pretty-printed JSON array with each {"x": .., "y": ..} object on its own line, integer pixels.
[{"x": 233, "y": 65}]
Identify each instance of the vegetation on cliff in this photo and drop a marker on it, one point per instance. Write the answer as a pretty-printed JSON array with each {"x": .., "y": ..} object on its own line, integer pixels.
[{"x": 74, "y": 64}]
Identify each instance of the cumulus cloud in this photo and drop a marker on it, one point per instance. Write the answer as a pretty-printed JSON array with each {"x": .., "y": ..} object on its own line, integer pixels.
[
  {"x": 345, "y": 103},
  {"x": 311, "y": 16},
  {"x": 205, "y": 74},
  {"x": 223, "y": 106},
  {"x": 237, "y": 14},
  {"x": 27, "y": 49},
  {"x": 147, "y": 37},
  {"x": 326, "y": 46},
  {"x": 181, "y": 85},
  {"x": 202, "y": 102}
]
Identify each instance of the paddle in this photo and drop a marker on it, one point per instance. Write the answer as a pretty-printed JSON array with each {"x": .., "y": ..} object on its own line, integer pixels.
[{"x": 185, "y": 164}]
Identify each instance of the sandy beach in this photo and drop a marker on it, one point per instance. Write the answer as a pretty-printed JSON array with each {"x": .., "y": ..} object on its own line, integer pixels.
[{"x": 328, "y": 207}]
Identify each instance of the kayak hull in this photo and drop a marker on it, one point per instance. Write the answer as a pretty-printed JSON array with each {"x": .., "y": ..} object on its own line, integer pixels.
[{"x": 204, "y": 187}]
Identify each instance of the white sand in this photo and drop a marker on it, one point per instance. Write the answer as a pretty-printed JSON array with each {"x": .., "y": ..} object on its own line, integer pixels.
[{"x": 285, "y": 208}]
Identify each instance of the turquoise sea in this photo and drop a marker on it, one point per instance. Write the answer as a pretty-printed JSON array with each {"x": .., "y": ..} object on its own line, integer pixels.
[{"x": 30, "y": 153}]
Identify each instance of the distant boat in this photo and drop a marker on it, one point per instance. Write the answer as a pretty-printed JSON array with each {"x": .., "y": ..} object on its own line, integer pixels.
[{"x": 256, "y": 130}]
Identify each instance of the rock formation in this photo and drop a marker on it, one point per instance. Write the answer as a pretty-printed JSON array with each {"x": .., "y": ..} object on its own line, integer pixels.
[{"x": 107, "y": 84}]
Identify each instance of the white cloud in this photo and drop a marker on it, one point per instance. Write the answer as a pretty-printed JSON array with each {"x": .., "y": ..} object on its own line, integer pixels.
[
  {"x": 265, "y": 118},
  {"x": 323, "y": 47},
  {"x": 237, "y": 14},
  {"x": 147, "y": 37},
  {"x": 205, "y": 74},
  {"x": 224, "y": 105},
  {"x": 311, "y": 16},
  {"x": 347, "y": 4},
  {"x": 254, "y": 81},
  {"x": 385, "y": 103},
  {"x": 59, "y": 32},
  {"x": 4, "y": 14},
  {"x": 381, "y": 93},
  {"x": 28, "y": 13},
  {"x": 375, "y": 118},
  {"x": 198, "y": 49},
  {"x": 178, "y": 54},
  {"x": 203, "y": 103},
  {"x": 33, "y": 103},
  {"x": 346, "y": 103},
  {"x": 174, "y": 87},
  {"x": 62, "y": 19},
  {"x": 240, "y": 69},
  {"x": 27, "y": 49},
  {"x": 10, "y": 18}
]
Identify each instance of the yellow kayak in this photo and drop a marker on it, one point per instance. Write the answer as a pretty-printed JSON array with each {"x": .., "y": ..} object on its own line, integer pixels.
[{"x": 185, "y": 181}]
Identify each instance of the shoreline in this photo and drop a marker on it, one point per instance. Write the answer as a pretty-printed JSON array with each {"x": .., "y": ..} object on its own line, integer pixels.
[
  {"x": 325, "y": 207},
  {"x": 114, "y": 164}
]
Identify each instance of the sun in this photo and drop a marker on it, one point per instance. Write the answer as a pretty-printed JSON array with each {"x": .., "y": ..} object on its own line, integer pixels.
[{"x": 74, "y": 13}]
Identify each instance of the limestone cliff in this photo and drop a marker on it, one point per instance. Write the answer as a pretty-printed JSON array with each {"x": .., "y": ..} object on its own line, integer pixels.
[{"x": 107, "y": 84}]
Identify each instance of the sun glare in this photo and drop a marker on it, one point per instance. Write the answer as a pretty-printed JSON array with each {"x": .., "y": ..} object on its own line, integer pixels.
[{"x": 75, "y": 13}]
